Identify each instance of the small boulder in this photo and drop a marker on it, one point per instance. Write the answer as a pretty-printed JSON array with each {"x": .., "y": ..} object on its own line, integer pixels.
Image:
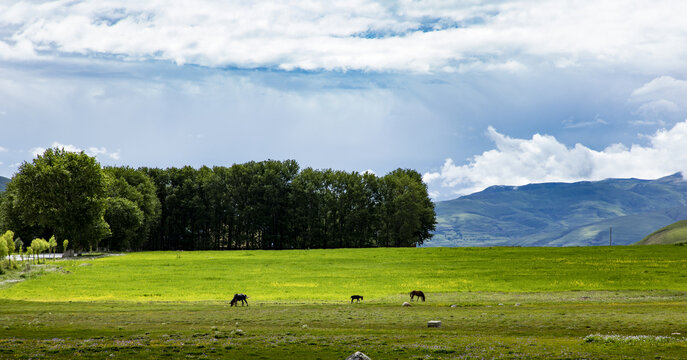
[
  {"x": 454, "y": 305},
  {"x": 434, "y": 323},
  {"x": 358, "y": 356},
  {"x": 406, "y": 303}
]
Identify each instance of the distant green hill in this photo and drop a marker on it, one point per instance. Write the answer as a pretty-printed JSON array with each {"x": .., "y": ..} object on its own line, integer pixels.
[
  {"x": 3, "y": 183},
  {"x": 672, "y": 234},
  {"x": 561, "y": 214}
]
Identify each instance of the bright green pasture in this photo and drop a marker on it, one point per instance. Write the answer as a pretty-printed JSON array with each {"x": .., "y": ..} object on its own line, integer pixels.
[{"x": 333, "y": 275}]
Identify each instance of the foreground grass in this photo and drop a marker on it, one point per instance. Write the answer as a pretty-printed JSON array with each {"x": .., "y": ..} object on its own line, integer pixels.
[
  {"x": 334, "y": 275},
  {"x": 570, "y": 303},
  {"x": 332, "y": 331}
]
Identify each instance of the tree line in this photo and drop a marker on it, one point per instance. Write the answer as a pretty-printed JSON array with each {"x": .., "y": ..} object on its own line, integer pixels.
[{"x": 255, "y": 205}]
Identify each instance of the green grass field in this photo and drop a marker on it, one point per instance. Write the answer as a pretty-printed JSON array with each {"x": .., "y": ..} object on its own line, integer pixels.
[{"x": 510, "y": 303}]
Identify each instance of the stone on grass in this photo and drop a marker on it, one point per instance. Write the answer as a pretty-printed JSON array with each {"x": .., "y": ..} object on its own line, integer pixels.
[
  {"x": 454, "y": 305},
  {"x": 406, "y": 303},
  {"x": 358, "y": 356},
  {"x": 434, "y": 323}
]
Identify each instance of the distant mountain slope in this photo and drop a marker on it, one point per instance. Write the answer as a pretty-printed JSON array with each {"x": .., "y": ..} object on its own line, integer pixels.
[
  {"x": 3, "y": 183},
  {"x": 561, "y": 214},
  {"x": 672, "y": 234}
]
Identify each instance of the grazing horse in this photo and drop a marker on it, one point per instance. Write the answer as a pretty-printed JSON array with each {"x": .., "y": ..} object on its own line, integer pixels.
[
  {"x": 356, "y": 297},
  {"x": 417, "y": 293},
  {"x": 243, "y": 298}
]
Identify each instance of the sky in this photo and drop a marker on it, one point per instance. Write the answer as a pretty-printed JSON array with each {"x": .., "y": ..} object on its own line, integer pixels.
[{"x": 469, "y": 93}]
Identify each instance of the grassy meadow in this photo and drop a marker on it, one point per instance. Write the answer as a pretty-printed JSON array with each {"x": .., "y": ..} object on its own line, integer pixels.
[
  {"x": 334, "y": 275},
  {"x": 589, "y": 302}
]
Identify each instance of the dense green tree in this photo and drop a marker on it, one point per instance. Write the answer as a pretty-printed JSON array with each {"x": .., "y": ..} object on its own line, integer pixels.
[
  {"x": 38, "y": 246},
  {"x": 61, "y": 193},
  {"x": 126, "y": 222},
  {"x": 52, "y": 245},
  {"x": 255, "y": 205},
  {"x": 3, "y": 253},
  {"x": 273, "y": 205},
  {"x": 132, "y": 209},
  {"x": 407, "y": 213},
  {"x": 8, "y": 239}
]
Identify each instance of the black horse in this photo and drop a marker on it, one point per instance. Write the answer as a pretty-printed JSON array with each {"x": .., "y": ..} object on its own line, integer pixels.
[
  {"x": 243, "y": 298},
  {"x": 418, "y": 293},
  {"x": 356, "y": 297}
]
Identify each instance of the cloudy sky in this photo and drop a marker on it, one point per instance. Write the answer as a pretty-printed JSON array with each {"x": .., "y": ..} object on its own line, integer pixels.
[{"x": 470, "y": 93}]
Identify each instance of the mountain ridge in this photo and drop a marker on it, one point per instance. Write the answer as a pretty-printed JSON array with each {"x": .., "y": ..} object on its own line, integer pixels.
[
  {"x": 3, "y": 183},
  {"x": 675, "y": 233},
  {"x": 561, "y": 214}
]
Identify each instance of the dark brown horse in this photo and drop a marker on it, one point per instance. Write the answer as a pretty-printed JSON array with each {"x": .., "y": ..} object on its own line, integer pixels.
[
  {"x": 418, "y": 293},
  {"x": 243, "y": 298},
  {"x": 356, "y": 297}
]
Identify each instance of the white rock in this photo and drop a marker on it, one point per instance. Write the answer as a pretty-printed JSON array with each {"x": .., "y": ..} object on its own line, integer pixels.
[
  {"x": 406, "y": 304},
  {"x": 434, "y": 323},
  {"x": 358, "y": 356}
]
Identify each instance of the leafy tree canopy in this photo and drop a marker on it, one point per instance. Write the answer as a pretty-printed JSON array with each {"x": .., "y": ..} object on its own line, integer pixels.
[{"x": 61, "y": 193}]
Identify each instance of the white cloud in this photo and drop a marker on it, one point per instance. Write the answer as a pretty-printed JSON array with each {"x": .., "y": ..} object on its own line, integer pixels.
[
  {"x": 419, "y": 36},
  {"x": 544, "y": 159},
  {"x": 2, "y": 149},
  {"x": 37, "y": 151},
  {"x": 662, "y": 86},
  {"x": 91, "y": 151},
  {"x": 596, "y": 121},
  {"x": 660, "y": 98}
]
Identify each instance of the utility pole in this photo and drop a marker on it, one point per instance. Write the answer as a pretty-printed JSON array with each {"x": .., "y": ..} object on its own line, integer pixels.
[{"x": 610, "y": 236}]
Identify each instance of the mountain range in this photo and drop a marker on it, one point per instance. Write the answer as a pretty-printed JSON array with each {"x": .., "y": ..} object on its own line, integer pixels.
[
  {"x": 562, "y": 214},
  {"x": 3, "y": 183}
]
